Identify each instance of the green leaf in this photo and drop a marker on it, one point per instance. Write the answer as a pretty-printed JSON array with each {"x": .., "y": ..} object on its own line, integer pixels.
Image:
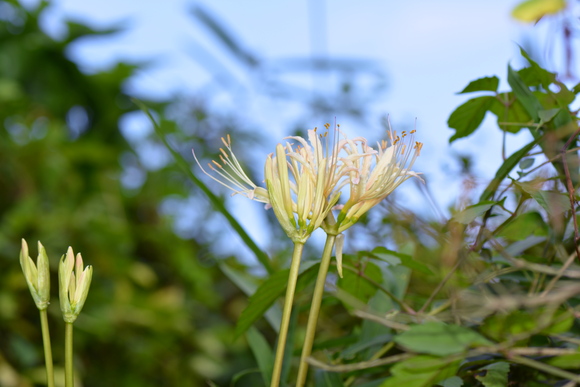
[
  {"x": 469, "y": 214},
  {"x": 524, "y": 225},
  {"x": 505, "y": 169},
  {"x": 327, "y": 379},
  {"x": 482, "y": 84},
  {"x": 454, "y": 381},
  {"x": 267, "y": 293},
  {"x": 565, "y": 361},
  {"x": 395, "y": 258},
  {"x": 535, "y": 75},
  {"x": 523, "y": 94},
  {"x": 547, "y": 115},
  {"x": 553, "y": 202},
  {"x": 358, "y": 286},
  {"x": 262, "y": 353},
  {"x": 533, "y": 10},
  {"x": 527, "y": 163},
  {"x": 440, "y": 339},
  {"x": 467, "y": 117},
  {"x": 502, "y": 326},
  {"x": 421, "y": 371},
  {"x": 510, "y": 113},
  {"x": 496, "y": 375}
]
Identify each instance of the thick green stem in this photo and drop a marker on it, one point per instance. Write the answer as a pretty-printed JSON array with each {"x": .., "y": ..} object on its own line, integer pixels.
[
  {"x": 287, "y": 311},
  {"x": 315, "y": 310},
  {"x": 68, "y": 355},
  {"x": 47, "y": 348}
]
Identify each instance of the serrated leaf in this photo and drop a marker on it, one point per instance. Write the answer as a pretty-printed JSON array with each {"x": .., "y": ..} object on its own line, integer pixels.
[
  {"x": 440, "y": 339},
  {"x": 467, "y": 117},
  {"x": 533, "y": 10},
  {"x": 469, "y": 214},
  {"x": 267, "y": 293},
  {"x": 496, "y": 375},
  {"x": 482, "y": 84},
  {"x": 392, "y": 257},
  {"x": 535, "y": 75},
  {"x": 262, "y": 352}
]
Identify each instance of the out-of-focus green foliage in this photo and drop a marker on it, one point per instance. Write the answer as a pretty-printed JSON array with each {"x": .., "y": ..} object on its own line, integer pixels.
[{"x": 157, "y": 314}]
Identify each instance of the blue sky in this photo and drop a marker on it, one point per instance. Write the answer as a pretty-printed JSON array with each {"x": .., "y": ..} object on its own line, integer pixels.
[{"x": 429, "y": 50}]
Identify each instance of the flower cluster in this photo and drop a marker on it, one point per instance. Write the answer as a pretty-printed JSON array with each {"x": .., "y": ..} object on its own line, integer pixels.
[{"x": 304, "y": 179}]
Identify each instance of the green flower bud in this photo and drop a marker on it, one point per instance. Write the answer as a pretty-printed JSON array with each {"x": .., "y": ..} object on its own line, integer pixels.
[
  {"x": 37, "y": 276},
  {"x": 74, "y": 283}
]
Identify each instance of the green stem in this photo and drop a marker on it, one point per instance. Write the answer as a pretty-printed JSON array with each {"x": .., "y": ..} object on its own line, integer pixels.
[
  {"x": 68, "y": 355},
  {"x": 315, "y": 310},
  {"x": 287, "y": 311},
  {"x": 47, "y": 348}
]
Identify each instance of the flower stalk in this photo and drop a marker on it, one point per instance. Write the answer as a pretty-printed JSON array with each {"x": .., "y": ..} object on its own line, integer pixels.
[{"x": 74, "y": 282}]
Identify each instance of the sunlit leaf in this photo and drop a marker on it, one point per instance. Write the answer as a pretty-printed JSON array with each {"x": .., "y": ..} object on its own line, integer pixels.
[
  {"x": 533, "y": 10},
  {"x": 396, "y": 258}
]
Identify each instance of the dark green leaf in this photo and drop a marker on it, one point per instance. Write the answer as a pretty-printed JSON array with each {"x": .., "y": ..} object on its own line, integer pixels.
[
  {"x": 496, "y": 375},
  {"x": 358, "y": 286},
  {"x": 454, "y": 381},
  {"x": 262, "y": 352},
  {"x": 502, "y": 326},
  {"x": 267, "y": 293},
  {"x": 467, "y": 117},
  {"x": 510, "y": 113},
  {"x": 394, "y": 258},
  {"x": 524, "y": 225},
  {"x": 505, "y": 169},
  {"x": 440, "y": 339},
  {"x": 482, "y": 84},
  {"x": 523, "y": 94},
  {"x": 565, "y": 361},
  {"x": 421, "y": 371},
  {"x": 543, "y": 76}
]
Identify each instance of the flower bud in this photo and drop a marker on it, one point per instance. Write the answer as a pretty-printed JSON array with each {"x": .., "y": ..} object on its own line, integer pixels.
[
  {"x": 37, "y": 276},
  {"x": 74, "y": 283}
]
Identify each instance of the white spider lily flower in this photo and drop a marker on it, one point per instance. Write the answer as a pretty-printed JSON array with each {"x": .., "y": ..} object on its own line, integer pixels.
[
  {"x": 300, "y": 202},
  {"x": 232, "y": 174},
  {"x": 375, "y": 173},
  {"x": 298, "y": 183},
  {"x": 74, "y": 283},
  {"x": 37, "y": 276}
]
